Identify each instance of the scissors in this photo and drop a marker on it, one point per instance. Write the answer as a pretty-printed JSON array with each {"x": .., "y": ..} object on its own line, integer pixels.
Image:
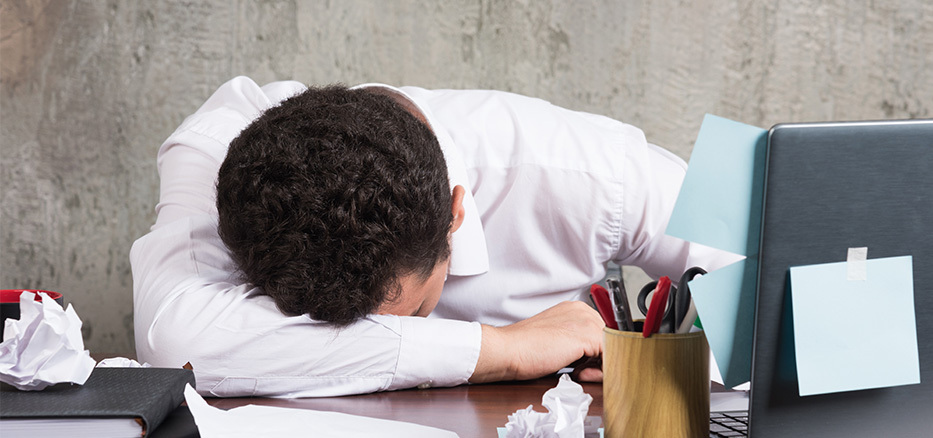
[{"x": 678, "y": 301}]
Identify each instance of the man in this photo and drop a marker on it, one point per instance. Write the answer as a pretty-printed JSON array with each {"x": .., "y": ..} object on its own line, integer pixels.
[{"x": 379, "y": 238}]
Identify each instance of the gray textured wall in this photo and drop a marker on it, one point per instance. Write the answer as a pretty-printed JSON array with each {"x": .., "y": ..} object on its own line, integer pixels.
[{"x": 91, "y": 88}]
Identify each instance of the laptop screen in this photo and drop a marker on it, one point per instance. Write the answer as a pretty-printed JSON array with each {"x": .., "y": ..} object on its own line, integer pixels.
[{"x": 830, "y": 187}]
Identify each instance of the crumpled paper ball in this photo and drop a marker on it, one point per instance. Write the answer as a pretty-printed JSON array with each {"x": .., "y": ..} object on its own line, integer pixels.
[
  {"x": 44, "y": 346},
  {"x": 567, "y": 406}
]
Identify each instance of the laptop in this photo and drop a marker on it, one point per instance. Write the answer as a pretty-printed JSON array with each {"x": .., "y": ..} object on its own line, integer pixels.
[{"x": 828, "y": 187}]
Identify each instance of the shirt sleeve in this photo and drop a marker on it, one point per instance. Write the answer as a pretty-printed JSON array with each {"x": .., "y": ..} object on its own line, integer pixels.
[{"x": 191, "y": 306}]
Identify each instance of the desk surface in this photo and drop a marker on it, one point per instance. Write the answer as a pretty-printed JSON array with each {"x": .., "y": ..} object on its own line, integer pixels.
[{"x": 470, "y": 410}]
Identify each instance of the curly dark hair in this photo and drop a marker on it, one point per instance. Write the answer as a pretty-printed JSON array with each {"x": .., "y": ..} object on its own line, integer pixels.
[{"x": 329, "y": 198}]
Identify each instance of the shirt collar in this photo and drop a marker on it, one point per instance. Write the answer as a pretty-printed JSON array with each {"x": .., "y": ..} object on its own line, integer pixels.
[{"x": 468, "y": 254}]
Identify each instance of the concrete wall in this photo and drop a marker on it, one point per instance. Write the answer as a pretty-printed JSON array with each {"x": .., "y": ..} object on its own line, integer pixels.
[{"x": 91, "y": 88}]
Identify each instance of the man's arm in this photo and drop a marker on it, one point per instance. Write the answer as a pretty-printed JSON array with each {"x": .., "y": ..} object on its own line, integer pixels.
[{"x": 540, "y": 345}]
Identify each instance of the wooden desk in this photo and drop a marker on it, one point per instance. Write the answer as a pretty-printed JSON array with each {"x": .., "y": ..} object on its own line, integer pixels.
[{"x": 470, "y": 410}]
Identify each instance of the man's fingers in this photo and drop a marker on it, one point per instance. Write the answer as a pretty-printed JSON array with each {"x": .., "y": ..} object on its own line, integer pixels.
[
  {"x": 589, "y": 375},
  {"x": 588, "y": 369}
]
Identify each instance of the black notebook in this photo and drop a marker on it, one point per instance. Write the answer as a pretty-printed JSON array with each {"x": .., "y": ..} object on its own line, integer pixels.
[{"x": 114, "y": 402}]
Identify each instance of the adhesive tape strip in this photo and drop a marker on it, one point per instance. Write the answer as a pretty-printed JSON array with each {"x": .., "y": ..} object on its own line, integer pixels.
[{"x": 857, "y": 264}]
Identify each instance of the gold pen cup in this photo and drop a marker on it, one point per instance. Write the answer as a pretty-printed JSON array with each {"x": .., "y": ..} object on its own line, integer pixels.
[{"x": 656, "y": 386}]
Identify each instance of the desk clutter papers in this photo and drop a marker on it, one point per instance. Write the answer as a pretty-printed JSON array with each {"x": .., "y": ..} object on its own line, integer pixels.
[
  {"x": 266, "y": 421},
  {"x": 854, "y": 325},
  {"x": 52, "y": 388},
  {"x": 719, "y": 205},
  {"x": 567, "y": 405},
  {"x": 44, "y": 346},
  {"x": 113, "y": 402}
]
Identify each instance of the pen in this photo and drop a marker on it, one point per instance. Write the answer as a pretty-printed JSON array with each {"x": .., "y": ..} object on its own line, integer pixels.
[
  {"x": 656, "y": 309},
  {"x": 620, "y": 305},
  {"x": 613, "y": 301},
  {"x": 601, "y": 298}
]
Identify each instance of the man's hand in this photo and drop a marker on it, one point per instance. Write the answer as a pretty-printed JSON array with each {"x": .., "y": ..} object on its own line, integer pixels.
[
  {"x": 588, "y": 369},
  {"x": 540, "y": 345}
]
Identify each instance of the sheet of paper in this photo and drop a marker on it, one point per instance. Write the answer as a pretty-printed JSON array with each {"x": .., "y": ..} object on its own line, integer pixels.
[
  {"x": 725, "y": 301},
  {"x": 719, "y": 205},
  {"x": 716, "y": 377},
  {"x": 728, "y": 401},
  {"x": 253, "y": 420},
  {"x": 855, "y": 334}
]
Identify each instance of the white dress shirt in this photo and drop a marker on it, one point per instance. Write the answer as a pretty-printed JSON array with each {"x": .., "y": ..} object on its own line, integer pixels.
[{"x": 553, "y": 195}]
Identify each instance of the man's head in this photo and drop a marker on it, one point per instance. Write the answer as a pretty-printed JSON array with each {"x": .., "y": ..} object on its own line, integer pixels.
[{"x": 336, "y": 203}]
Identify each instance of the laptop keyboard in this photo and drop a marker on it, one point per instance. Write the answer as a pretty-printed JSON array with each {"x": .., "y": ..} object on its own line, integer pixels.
[{"x": 728, "y": 424}]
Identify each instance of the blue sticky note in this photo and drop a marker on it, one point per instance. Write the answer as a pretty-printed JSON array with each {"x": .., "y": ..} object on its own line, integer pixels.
[
  {"x": 725, "y": 301},
  {"x": 854, "y": 334},
  {"x": 719, "y": 204}
]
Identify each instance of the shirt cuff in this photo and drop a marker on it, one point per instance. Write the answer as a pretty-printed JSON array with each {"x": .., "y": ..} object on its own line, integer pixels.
[{"x": 436, "y": 352}]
